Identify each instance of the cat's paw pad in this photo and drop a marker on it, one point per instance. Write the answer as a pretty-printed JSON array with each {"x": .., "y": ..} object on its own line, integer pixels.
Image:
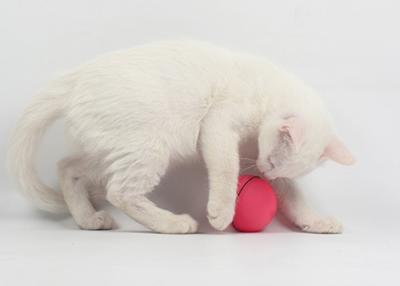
[
  {"x": 179, "y": 224},
  {"x": 220, "y": 215},
  {"x": 322, "y": 225},
  {"x": 99, "y": 220}
]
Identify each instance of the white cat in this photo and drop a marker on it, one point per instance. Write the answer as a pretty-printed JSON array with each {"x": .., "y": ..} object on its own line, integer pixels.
[{"x": 135, "y": 112}]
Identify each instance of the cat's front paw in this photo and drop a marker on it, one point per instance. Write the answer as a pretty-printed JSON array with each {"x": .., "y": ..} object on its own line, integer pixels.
[
  {"x": 321, "y": 225},
  {"x": 220, "y": 215}
]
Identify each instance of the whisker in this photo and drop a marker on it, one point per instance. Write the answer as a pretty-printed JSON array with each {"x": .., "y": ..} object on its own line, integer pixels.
[
  {"x": 248, "y": 159},
  {"x": 248, "y": 168}
]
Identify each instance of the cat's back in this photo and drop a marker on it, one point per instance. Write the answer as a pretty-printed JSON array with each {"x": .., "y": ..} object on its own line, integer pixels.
[
  {"x": 165, "y": 87},
  {"x": 173, "y": 61},
  {"x": 172, "y": 72}
]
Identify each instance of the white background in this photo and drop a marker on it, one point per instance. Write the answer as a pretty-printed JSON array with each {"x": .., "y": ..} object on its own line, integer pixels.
[{"x": 348, "y": 50}]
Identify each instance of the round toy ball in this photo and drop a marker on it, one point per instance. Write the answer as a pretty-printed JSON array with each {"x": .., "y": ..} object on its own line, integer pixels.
[{"x": 256, "y": 204}]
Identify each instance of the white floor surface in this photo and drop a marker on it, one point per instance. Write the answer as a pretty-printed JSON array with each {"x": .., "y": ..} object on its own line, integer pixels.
[{"x": 40, "y": 250}]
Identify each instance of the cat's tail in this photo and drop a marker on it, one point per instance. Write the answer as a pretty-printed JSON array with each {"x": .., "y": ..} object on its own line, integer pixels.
[{"x": 45, "y": 109}]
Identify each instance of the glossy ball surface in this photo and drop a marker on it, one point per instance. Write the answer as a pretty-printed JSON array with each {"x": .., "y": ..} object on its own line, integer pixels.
[{"x": 256, "y": 204}]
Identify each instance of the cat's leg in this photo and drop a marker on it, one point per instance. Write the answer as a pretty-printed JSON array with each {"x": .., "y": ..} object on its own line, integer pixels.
[
  {"x": 75, "y": 182},
  {"x": 131, "y": 178},
  {"x": 220, "y": 151},
  {"x": 293, "y": 206}
]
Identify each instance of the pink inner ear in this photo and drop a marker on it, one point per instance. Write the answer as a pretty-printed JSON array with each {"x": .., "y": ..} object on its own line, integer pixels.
[
  {"x": 337, "y": 152},
  {"x": 295, "y": 127}
]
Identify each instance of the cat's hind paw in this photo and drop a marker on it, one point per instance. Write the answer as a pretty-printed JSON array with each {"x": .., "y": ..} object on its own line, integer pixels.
[
  {"x": 100, "y": 220},
  {"x": 178, "y": 224}
]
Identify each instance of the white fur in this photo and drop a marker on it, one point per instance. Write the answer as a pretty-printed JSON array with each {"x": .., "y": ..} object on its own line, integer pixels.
[{"x": 135, "y": 112}]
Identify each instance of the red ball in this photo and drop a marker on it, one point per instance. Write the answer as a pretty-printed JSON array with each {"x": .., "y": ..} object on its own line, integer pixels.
[{"x": 256, "y": 204}]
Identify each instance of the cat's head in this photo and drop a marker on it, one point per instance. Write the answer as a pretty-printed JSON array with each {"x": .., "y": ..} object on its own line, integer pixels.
[{"x": 292, "y": 146}]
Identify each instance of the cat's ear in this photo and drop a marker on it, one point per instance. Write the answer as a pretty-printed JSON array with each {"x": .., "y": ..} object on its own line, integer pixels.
[
  {"x": 338, "y": 152},
  {"x": 294, "y": 128}
]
